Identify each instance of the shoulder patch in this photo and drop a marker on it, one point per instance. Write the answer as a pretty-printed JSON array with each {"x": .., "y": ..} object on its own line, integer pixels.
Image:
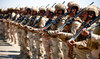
[{"x": 76, "y": 24}]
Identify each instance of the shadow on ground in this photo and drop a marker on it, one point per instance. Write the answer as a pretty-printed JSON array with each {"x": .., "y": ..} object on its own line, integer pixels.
[
  {"x": 9, "y": 57},
  {"x": 3, "y": 41}
]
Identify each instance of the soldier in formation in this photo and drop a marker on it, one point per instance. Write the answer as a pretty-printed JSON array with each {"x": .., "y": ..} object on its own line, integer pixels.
[{"x": 40, "y": 35}]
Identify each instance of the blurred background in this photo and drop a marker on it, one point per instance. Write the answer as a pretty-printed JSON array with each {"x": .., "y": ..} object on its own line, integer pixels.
[{"x": 30, "y": 3}]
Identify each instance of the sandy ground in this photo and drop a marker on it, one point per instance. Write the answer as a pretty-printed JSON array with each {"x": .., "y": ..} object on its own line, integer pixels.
[{"x": 8, "y": 51}]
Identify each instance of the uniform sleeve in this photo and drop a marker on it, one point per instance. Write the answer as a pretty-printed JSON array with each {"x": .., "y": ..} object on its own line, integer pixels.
[
  {"x": 17, "y": 16},
  {"x": 13, "y": 14},
  {"x": 75, "y": 26},
  {"x": 64, "y": 34},
  {"x": 81, "y": 44},
  {"x": 50, "y": 32},
  {"x": 95, "y": 37},
  {"x": 43, "y": 22}
]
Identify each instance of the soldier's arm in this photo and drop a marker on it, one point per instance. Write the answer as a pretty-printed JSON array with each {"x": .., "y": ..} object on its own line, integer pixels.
[
  {"x": 75, "y": 26},
  {"x": 81, "y": 44},
  {"x": 64, "y": 34},
  {"x": 95, "y": 36}
]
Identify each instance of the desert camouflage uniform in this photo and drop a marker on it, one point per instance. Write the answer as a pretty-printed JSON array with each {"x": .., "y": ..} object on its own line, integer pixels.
[{"x": 81, "y": 48}]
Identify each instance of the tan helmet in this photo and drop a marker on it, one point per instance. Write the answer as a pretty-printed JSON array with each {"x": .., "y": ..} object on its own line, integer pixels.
[
  {"x": 16, "y": 9},
  {"x": 21, "y": 8},
  {"x": 75, "y": 4},
  {"x": 35, "y": 9},
  {"x": 60, "y": 6},
  {"x": 42, "y": 8},
  {"x": 51, "y": 9},
  {"x": 70, "y": 3},
  {"x": 94, "y": 9}
]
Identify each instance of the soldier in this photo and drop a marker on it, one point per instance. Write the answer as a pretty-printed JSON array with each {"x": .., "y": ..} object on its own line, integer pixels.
[
  {"x": 42, "y": 11},
  {"x": 19, "y": 32},
  {"x": 1, "y": 11},
  {"x": 81, "y": 48},
  {"x": 30, "y": 34},
  {"x": 94, "y": 42},
  {"x": 25, "y": 40},
  {"x": 46, "y": 39},
  {"x": 56, "y": 52},
  {"x": 1, "y": 23},
  {"x": 71, "y": 29},
  {"x": 39, "y": 41},
  {"x": 13, "y": 29},
  {"x": 7, "y": 16}
]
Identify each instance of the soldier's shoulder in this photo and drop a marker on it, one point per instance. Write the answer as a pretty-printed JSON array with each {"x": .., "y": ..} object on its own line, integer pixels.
[
  {"x": 78, "y": 19},
  {"x": 97, "y": 30}
]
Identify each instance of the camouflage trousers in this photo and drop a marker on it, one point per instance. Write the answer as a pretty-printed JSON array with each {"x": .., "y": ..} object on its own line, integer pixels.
[
  {"x": 7, "y": 31},
  {"x": 25, "y": 42},
  {"x": 59, "y": 49},
  {"x": 46, "y": 42},
  {"x": 81, "y": 53},
  {"x": 11, "y": 33},
  {"x": 37, "y": 46},
  {"x": 2, "y": 28}
]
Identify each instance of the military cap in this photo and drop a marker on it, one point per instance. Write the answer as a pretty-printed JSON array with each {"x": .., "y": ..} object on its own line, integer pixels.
[
  {"x": 60, "y": 6},
  {"x": 42, "y": 8},
  {"x": 94, "y": 9},
  {"x": 51, "y": 9}
]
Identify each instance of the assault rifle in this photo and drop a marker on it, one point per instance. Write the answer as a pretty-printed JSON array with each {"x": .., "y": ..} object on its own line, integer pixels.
[
  {"x": 49, "y": 22},
  {"x": 15, "y": 15},
  {"x": 20, "y": 18},
  {"x": 86, "y": 26},
  {"x": 40, "y": 17},
  {"x": 32, "y": 19},
  {"x": 70, "y": 20},
  {"x": 25, "y": 19},
  {"x": 51, "y": 17},
  {"x": 93, "y": 26},
  {"x": 35, "y": 17}
]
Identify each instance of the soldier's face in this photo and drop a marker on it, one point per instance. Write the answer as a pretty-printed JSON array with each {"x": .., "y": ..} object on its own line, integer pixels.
[
  {"x": 34, "y": 13},
  {"x": 69, "y": 9},
  {"x": 42, "y": 12},
  {"x": 49, "y": 13},
  {"x": 91, "y": 14},
  {"x": 59, "y": 12},
  {"x": 84, "y": 15}
]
